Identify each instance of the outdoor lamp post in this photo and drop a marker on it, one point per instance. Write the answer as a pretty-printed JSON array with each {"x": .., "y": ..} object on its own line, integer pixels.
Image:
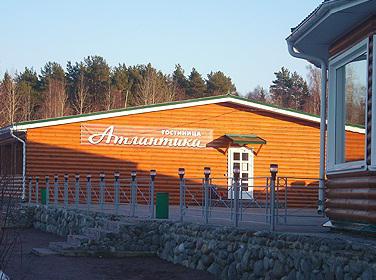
[
  {"x": 207, "y": 173},
  {"x": 133, "y": 193},
  {"x": 236, "y": 194},
  {"x": 153, "y": 173},
  {"x": 206, "y": 196},
  {"x": 181, "y": 172},
  {"x": 133, "y": 174},
  {"x": 273, "y": 170},
  {"x": 116, "y": 185},
  {"x": 273, "y": 175}
]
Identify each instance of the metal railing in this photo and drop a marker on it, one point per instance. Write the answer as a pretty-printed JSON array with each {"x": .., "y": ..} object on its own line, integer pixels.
[
  {"x": 261, "y": 202},
  {"x": 114, "y": 195}
]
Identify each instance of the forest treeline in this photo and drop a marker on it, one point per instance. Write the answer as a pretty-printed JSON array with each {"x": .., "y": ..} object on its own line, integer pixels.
[{"x": 92, "y": 85}]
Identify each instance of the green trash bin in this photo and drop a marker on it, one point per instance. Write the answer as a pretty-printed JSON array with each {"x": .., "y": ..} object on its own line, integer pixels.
[
  {"x": 162, "y": 205},
  {"x": 43, "y": 193}
]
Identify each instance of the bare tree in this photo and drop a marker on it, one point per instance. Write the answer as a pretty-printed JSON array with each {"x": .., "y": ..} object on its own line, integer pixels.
[
  {"x": 55, "y": 102},
  {"x": 110, "y": 98},
  {"x": 156, "y": 88},
  {"x": 314, "y": 87},
  {"x": 81, "y": 102},
  {"x": 11, "y": 101},
  {"x": 258, "y": 94},
  {"x": 26, "y": 104}
]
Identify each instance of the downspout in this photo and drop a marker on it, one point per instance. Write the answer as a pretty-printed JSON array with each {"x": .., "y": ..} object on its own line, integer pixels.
[
  {"x": 23, "y": 162},
  {"x": 320, "y": 204}
]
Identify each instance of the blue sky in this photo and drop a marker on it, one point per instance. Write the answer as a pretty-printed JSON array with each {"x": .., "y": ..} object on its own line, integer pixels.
[{"x": 245, "y": 39}]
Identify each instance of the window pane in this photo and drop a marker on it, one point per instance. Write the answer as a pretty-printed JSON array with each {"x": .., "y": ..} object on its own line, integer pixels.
[
  {"x": 245, "y": 166},
  {"x": 236, "y": 156},
  {"x": 351, "y": 109},
  {"x": 244, "y": 156}
]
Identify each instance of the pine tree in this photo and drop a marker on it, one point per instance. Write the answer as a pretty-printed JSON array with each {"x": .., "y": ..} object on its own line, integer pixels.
[
  {"x": 197, "y": 87},
  {"x": 219, "y": 84},
  {"x": 280, "y": 88}
]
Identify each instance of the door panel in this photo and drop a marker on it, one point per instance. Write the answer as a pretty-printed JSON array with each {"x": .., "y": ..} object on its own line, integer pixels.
[{"x": 242, "y": 158}]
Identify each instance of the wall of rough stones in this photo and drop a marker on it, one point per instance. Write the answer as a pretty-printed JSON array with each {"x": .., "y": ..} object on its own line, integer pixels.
[{"x": 227, "y": 252}]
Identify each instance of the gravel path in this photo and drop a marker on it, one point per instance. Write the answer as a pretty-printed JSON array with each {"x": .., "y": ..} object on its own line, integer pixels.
[{"x": 25, "y": 266}]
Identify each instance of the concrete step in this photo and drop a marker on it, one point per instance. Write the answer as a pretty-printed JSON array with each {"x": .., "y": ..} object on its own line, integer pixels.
[
  {"x": 77, "y": 240},
  {"x": 41, "y": 252},
  {"x": 96, "y": 233},
  {"x": 61, "y": 246}
]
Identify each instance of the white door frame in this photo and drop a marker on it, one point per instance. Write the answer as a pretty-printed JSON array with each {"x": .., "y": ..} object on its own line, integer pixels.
[{"x": 248, "y": 194}]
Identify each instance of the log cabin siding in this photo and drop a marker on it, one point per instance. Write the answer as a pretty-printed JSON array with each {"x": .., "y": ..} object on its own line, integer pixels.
[{"x": 291, "y": 142}]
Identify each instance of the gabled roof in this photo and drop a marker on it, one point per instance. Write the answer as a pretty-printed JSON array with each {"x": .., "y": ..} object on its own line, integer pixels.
[
  {"x": 331, "y": 20},
  {"x": 168, "y": 106}
]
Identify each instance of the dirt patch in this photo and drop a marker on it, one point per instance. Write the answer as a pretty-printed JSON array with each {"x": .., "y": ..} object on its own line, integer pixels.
[{"x": 24, "y": 265}]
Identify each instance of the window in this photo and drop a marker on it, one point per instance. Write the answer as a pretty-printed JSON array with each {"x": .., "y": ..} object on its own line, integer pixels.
[{"x": 347, "y": 110}]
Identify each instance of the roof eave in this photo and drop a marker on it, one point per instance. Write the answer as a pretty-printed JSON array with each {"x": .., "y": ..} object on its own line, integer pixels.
[{"x": 315, "y": 20}]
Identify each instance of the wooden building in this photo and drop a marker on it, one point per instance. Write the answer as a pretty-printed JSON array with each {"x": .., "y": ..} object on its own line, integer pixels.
[
  {"x": 339, "y": 37},
  {"x": 220, "y": 132}
]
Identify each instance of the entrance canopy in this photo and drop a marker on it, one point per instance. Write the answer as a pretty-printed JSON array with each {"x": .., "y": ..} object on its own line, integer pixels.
[{"x": 244, "y": 139}]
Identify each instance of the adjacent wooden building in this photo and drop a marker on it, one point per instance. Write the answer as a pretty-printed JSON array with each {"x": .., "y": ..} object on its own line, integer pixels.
[
  {"x": 220, "y": 132},
  {"x": 339, "y": 37}
]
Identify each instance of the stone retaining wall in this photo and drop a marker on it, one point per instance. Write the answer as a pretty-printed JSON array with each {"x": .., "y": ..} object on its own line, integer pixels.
[{"x": 227, "y": 252}]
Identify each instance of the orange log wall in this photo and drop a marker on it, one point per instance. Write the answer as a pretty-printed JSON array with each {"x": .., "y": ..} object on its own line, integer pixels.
[{"x": 292, "y": 143}]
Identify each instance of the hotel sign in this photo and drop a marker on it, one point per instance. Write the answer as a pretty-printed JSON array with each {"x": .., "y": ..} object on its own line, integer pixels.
[{"x": 142, "y": 136}]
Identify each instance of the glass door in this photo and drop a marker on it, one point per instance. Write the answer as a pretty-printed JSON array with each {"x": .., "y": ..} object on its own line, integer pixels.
[{"x": 242, "y": 158}]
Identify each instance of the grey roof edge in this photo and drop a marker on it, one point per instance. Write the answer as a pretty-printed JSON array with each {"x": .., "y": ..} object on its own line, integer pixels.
[{"x": 316, "y": 15}]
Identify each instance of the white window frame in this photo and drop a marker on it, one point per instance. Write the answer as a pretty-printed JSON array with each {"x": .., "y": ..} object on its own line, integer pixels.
[
  {"x": 372, "y": 167},
  {"x": 333, "y": 131}
]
